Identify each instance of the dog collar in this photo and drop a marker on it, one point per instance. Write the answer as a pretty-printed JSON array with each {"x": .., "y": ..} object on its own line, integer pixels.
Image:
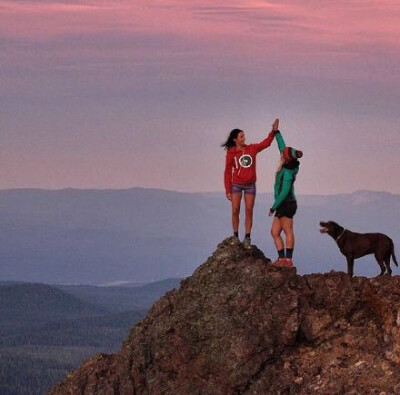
[{"x": 337, "y": 238}]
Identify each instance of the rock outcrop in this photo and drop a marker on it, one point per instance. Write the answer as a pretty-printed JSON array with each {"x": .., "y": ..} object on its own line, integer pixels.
[{"x": 241, "y": 325}]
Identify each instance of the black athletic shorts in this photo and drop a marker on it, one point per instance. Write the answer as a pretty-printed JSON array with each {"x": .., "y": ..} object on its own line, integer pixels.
[{"x": 287, "y": 209}]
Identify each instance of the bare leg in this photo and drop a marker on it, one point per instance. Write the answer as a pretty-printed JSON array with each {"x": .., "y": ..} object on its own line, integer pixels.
[
  {"x": 276, "y": 230},
  {"x": 236, "y": 198},
  {"x": 287, "y": 226},
  {"x": 249, "y": 203}
]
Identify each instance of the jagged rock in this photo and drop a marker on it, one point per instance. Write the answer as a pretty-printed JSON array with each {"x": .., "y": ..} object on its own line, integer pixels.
[{"x": 241, "y": 325}]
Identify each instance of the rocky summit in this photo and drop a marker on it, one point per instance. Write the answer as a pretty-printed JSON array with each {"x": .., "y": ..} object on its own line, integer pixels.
[{"x": 239, "y": 325}]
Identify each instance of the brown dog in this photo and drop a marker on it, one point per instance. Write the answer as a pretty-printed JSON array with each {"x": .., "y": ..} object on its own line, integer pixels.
[{"x": 355, "y": 245}]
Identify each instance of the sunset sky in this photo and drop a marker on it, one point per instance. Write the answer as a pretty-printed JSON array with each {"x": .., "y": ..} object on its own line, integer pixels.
[{"x": 117, "y": 94}]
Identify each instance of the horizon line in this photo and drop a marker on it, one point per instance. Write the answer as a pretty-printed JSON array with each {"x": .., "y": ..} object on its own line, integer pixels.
[{"x": 182, "y": 192}]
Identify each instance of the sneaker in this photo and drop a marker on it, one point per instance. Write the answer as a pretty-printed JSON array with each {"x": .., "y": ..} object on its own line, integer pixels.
[
  {"x": 234, "y": 241},
  {"x": 247, "y": 243}
]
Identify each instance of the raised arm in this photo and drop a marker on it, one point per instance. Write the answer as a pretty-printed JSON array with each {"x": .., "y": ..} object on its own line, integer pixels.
[
  {"x": 280, "y": 141},
  {"x": 278, "y": 135},
  {"x": 266, "y": 142}
]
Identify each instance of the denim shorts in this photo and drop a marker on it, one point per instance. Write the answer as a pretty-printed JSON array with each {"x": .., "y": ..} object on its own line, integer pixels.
[{"x": 248, "y": 189}]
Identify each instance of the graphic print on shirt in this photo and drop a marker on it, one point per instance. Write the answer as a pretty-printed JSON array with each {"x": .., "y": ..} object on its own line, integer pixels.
[{"x": 245, "y": 160}]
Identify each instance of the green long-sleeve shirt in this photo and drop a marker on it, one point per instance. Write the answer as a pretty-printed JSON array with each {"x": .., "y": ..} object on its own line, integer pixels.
[
  {"x": 285, "y": 177},
  {"x": 280, "y": 141}
]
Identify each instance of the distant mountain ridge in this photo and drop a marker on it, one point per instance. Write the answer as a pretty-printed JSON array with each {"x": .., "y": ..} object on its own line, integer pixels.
[
  {"x": 38, "y": 302},
  {"x": 76, "y": 236},
  {"x": 121, "y": 298}
]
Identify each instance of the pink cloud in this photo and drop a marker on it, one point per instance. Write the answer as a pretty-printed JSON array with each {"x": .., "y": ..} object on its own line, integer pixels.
[
  {"x": 331, "y": 23},
  {"x": 203, "y": 37}
]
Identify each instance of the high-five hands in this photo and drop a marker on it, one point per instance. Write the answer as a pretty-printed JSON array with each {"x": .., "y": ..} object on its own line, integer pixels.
[{"x": 275, "y": 125}]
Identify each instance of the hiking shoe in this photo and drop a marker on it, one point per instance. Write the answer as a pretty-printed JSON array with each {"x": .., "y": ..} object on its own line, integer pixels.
[
  {"x": 234, "y": 241},
  {"x": 283, "y": 262},
  {"x": 280, "y": 262},
  {"x": 289, "y": 262},
  {"x": 247, "y": 243}
]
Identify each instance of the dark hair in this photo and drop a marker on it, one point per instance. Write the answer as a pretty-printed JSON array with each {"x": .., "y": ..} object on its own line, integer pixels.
[{"x": 229, "y": 143}]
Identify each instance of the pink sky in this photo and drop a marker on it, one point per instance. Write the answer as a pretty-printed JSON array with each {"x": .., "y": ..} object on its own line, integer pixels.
[{"x": 117, "y": 94}]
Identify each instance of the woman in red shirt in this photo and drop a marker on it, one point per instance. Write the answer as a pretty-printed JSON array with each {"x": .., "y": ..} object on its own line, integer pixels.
[{"x": 240, "y": 177}]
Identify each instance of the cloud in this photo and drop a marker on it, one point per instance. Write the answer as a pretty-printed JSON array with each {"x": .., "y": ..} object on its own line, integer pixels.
[
  {"x": 231, "y": 43},
  {"x": 193, "y": 67}
]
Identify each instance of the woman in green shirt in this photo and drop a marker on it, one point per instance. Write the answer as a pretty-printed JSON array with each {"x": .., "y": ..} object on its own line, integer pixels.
[{"x": 285, "y": 204}]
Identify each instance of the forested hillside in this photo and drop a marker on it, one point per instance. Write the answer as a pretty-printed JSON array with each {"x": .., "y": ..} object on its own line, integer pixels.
[{"x": 46, "y": 331}]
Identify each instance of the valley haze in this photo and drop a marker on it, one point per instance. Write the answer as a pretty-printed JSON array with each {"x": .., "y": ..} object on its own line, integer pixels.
[{"x": 78, "y": 236}]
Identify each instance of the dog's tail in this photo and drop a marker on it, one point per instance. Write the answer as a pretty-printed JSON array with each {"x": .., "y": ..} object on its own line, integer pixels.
[{"x": 394, "y": 256}]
